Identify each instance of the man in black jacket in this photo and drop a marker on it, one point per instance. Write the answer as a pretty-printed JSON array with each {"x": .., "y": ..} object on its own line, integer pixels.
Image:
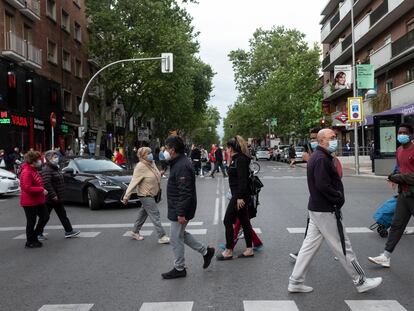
[
  {"x": 182, "y": 203},
  {"x": 196, "y": 158},
  {"x": 219, "y": 162},
  {"x": 55, "y": 186},
  {"x": 326, "y": 199}
]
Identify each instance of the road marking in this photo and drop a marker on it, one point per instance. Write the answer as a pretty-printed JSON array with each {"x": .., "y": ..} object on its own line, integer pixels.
[
  {"x": 97, "y": 226},
  {"x": 78, "y": 307},
  {"x": 167, "y": 306},
  {"x": 142, "y": 232},
  {"x": 223, "y": 207},
  {"x": 23, "y": 236},
  {"x": 283, "y": 177},
  {"x": 270, "y": 305},
  {"x": 88, "y": 234},
  {"x": 197, "y": 231},
  {"x": 348, "y": 230},
  {"x": 257, "y": 230},
  {"x": 216, "y": 212},
  {"x": 375, "y": 305}
]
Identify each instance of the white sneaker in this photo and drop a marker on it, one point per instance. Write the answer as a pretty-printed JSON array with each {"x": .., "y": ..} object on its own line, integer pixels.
[
  {"x": 409, "y": 232},
  {"x": 381, "y": 260},
  {"x": 370, "y": 283},
  {"x": 137, "y": 236},
  {"x": 299, "y": 288},
  {"x": 164, "y": 240}
]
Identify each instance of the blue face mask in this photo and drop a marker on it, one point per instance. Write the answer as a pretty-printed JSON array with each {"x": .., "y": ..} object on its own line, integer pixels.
[
  {"x": 333, "y": 145},
  {"x": 314, "y": 144},
  {"x": 403, "y": 139},
  {"x": 150, "y": 157}
]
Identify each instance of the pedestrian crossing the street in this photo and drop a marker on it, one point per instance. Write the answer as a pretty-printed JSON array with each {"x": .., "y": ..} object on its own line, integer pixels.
[
  {"x": 348, "y": 230},
  {"x": 248, "y": 305}
]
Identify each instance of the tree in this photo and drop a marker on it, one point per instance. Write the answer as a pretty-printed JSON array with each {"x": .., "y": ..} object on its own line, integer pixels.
[
  {"x": 206, "y": 134},
  {"x": 277, "y": 77}
]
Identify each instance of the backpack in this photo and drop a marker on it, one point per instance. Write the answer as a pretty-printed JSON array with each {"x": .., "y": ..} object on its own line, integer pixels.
[{"x": 255, "y": 185}]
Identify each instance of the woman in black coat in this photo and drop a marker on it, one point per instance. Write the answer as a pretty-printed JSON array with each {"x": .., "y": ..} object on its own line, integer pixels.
[{"x": 238, "y": 172}]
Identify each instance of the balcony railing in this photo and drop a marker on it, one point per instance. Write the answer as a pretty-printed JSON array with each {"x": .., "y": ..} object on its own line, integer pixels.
[
  {"x": 402, "y": 44},
  {"x": 347, "y": 42},
  {"x": 14, "y": 46},
  {"x": 335, "y": 20},
  {"x": 18, "y": 4},
  {"x": 326, "y": 61},
  {"x": 381, "y": 56},
  {"x": 379, "y": 12},
  {"x": 402, "y": 95},
  {"x": 34, "y": 55}
]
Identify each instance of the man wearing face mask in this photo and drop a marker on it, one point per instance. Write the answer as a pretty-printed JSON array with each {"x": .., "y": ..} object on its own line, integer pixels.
[
  {"x": 326, "y": 199},
  {"x": 182, "y": 203},
  {"x": 55, "y": 186},
  {"x": 405, "y": 203}
]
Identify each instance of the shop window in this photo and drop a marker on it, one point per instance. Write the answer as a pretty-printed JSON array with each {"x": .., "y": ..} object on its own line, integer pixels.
[
  {"x": 51, "y": 9},
  {"x": 78, "y": 32},
  {"x": 66, "y": 60},
  {"x": 65, "y": 21},
  {"x": 51, "y": 52},
  {"x": 29, "y": 94},
  {"x": 67, "y": 101},
  {"x": 389, "y": 85}
]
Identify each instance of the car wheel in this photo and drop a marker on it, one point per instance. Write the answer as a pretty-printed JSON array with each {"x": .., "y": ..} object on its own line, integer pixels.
[{"x": 93, "y": 199}]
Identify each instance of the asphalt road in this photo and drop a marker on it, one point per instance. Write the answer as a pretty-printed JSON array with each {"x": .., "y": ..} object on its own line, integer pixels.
[{"x": 106, "y": 271}]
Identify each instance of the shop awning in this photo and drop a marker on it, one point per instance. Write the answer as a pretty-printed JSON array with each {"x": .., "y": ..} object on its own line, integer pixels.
[{"x": 404, "y": 110}]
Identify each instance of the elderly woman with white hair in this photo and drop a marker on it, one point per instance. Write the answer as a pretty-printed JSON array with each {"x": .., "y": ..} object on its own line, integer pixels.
[{"x": 146, "y": 183}]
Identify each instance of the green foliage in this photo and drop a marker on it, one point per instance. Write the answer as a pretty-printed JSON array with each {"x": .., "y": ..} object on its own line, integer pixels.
[
  {"x": 205, "y": 133},
  {"x": 146, "y": 28},
  {"x": 277, "y": 77}
]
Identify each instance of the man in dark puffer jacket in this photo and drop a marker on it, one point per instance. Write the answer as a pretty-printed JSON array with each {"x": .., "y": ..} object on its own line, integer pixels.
[{"x": 55, "y": 186}]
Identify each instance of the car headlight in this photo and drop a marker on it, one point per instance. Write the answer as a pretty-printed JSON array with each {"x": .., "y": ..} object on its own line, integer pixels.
[{"x": 108, "y": 184}]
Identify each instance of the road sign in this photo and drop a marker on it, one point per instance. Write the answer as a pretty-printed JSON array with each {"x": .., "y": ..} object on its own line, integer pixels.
[
  {"x": 273, "y": 122},
  {"x": 85, "y": 106},
  {"x": 355, "y": 109},
  {"x": 167, "y": 62}
]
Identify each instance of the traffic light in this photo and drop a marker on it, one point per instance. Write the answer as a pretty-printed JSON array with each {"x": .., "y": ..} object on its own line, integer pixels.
[{"x": 323, "y": 122}]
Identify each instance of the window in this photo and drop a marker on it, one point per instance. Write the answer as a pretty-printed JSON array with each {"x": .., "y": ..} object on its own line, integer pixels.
[
  {"x": 65, "y": 21},
  {"x": 410, "y": 25},
  {"x": 78, "y": 68},
  {"x": 66, "y": 63},
  {"x": 51, "y": 9},
  {"x": 67, "y": 101},
  {"x": 409, "y": 75},
  {"x": 78, "y": 32},
  {"x": 389, "y": 85},
  {"x": 51, "y": 52},
  {"x": 387, "y": 39},
  {"x": 9, "y": 23}
]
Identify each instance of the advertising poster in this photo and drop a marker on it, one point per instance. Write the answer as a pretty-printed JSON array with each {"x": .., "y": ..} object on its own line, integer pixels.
[
  {"x": 388, "y": 141},
  {"x": 343, "y": 77},
  {"x": 365, "y": 76}
]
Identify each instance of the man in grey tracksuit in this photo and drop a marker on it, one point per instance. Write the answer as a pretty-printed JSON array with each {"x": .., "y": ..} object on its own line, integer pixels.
[{"x": 325, "y": 202}]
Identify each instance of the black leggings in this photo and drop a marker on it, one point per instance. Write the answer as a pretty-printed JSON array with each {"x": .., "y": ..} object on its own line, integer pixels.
[
  {"x": 31, "y": 216},
  {"x": 61, "y": 213},
  {"x": 230, "y": 218}
]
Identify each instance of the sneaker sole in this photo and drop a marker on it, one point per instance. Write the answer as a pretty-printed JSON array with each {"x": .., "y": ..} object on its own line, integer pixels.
[
  {"x": 163, "y": 242},
  {"x": 377, "y": 263},
  {"x": 72, "y": 235},
  {"x": 299, "y": 291}
]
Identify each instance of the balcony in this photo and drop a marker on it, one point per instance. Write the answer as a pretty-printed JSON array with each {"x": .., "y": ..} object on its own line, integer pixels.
[
  {"x": 32, "y": 9},
  {"x": 34, "y": 57},
  {"x": 381, "y": 57},
  {"x": 14, "y": 47},
  {"x": 402, "y": 95},
  {"x": 18, "y": 4},
  {"x": 329, "y": 92},
  {"x": 403, "y": 44},
  {"x": 339, "y": 53}
]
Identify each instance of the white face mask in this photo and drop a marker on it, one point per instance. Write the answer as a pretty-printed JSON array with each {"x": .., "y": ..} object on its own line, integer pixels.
[
  {"x": 54, "y": 161},
  {"x": 167, "y": 155},
  {"x": 39, "y": 163}
]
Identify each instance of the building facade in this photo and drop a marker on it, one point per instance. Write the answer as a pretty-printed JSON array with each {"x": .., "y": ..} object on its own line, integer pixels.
[
  {"x": 43, "y": 70},
  {"x": 384, "y": 37}
]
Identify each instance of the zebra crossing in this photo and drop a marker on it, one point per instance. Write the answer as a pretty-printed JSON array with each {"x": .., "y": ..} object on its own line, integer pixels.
[{"x": 248, "y": 305}]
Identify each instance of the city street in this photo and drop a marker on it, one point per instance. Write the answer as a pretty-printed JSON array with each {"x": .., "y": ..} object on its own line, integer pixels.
[{"x": 104, "y": 270}]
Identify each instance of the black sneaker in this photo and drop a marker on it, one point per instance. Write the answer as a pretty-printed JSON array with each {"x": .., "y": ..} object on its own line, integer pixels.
[
  {"x": 207, "y": 257},
  {"x": 36, "y": 244},
  {"x": 71, "y": 234},
  {"x": 174, "y": 274}
]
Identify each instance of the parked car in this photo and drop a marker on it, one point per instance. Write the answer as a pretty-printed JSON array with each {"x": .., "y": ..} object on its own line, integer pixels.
[
  {"x": 263, "y": 153},
  {"x": 277, "y": 151},
  {"x": 284, "y": 155},
  {"x": 9, "y": 183},
  {"x": 95, "y": 180}
]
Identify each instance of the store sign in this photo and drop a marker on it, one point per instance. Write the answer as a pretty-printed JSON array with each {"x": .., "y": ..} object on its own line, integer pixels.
[
  {"x": 19, "y": 121},
  {"x": 64, "y": 128},
  {"x": 4, "y": 117},
  {"x": 39, "y": 125},
  {"x": 355, "y": 109}
]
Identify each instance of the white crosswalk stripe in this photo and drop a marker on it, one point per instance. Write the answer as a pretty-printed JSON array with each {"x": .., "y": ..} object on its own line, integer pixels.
[
  {"x": 167, "y": 306},
  {"x": 85, "y": 234},
  {"x": 77, "y": 307},
  {"x": 375, "y": 305},
  {"x": 142, "y": 232},
  {"x": 348, "y": 230},
  {"x": 23, "y": 236},
  {"x": 270, "y": 305}
]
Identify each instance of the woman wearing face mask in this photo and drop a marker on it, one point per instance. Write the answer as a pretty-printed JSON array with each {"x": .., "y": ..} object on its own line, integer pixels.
[
  {"x": 32, "y": 198},
  {"x": 55, "y": 186},
  {"x": 146, "y": 182}
]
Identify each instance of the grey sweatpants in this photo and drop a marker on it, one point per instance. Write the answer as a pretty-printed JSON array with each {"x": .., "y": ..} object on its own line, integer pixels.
[
  {"x": 179, "y": 237},
  {"x": 322, "y": 226},
  {"x": 149, "y": 208}
]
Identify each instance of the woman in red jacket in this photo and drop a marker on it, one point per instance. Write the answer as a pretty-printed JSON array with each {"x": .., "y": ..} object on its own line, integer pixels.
[{"x": 32, "y": 198}]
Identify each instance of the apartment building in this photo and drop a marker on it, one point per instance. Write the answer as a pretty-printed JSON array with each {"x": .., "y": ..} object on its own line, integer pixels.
[
  {"x": 384, "y": 37},
  {"x": 43, "y": 70}
]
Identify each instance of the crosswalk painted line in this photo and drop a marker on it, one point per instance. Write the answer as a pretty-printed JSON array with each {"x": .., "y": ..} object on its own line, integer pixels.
[
  {"x": 97, "y": 226},
  {"x": 77, "y": 307},
  {"x": 197, "y": 231},
  {"x": 23, "y": 236},
  {"x": 283, "y": 177},
  {"x": 348, "y": 230},
  {"x": 216, "y": 212},
  {"x": 375, "y": 305},
  {"x": 142, "y": 232},
  {"x": 167, "y": 306},
  {"x": 85, "y": 234},
  {"x": 270, "y": 305}
]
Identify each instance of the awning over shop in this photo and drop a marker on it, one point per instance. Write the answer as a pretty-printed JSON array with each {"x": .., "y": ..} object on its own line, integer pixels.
[{"x": 404, "y": 110}]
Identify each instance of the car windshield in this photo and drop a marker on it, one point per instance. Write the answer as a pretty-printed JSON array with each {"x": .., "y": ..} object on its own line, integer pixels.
[
  {"x": 96, "y": 165},
  {"x": 299, "y": 149}
]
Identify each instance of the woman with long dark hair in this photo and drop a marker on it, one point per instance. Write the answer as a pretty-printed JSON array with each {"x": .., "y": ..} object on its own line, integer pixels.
[{"x": 238, "y": 172}]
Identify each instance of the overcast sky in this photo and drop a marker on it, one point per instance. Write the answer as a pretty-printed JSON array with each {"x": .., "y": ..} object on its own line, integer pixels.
[{"x": 226, "y": 25}]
